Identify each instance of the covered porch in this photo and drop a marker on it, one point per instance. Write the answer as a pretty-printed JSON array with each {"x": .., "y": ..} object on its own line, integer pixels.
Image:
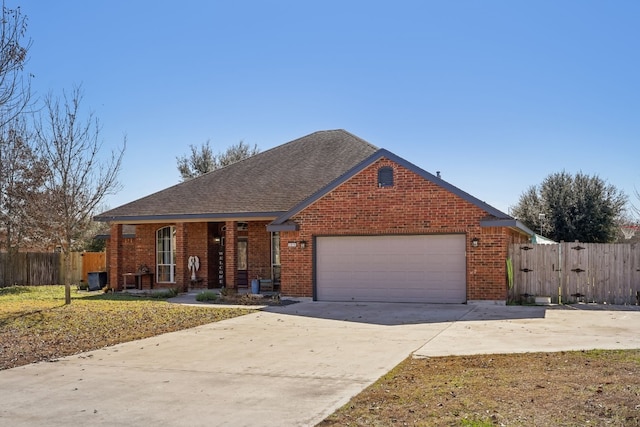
[{"x": 194, "y": 255}]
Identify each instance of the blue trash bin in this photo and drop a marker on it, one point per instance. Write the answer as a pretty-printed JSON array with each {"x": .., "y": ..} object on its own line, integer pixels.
[{"x": 255, "y": 286}]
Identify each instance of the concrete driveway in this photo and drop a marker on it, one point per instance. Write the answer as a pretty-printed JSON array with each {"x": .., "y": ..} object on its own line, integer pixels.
[{"x": 290, "y": 365}]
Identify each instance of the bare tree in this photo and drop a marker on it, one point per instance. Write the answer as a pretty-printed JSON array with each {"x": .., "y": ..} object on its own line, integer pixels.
[
  {"x": 78, "y": 178},
  {"x": 14, "y": 97},
  {"x": 202, "y": 160},
  {"x": 14, "y": 88},
  {"x": 94, "y": 241},
  {"x": 630, "y": 224},
  {"x": 21, "y": 180},
  {"x": 635, "y": 208}
]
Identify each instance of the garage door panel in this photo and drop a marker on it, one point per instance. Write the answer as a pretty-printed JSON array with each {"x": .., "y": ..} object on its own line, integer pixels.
[{"x": 422, "y": 268}]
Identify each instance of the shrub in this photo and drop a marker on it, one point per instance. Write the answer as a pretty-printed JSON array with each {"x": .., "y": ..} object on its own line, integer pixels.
[
  {"x": 207, "y": 296},
  {"x": 165, "y": 293}
]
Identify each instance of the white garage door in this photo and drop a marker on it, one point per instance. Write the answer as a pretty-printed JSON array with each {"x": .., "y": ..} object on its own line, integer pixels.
[{"x": 391, "y": 268}]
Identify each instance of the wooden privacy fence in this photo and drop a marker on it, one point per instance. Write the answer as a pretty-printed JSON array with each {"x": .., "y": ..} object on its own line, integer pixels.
[
  {"x": 76, "y": 267},
  {"x": 92, "y": 262},
  {"x": 576, "y": 272},
  {"x": 29, "y": 269},
  {"x": 34, "y": 269}
]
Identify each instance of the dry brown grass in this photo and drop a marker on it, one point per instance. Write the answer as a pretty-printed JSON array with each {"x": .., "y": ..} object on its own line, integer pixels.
[
  {"x": 35, "y": 325},
  {"x": 592, "y": 388}
]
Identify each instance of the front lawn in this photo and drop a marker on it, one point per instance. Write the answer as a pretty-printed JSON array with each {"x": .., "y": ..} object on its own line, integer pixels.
[
  {"x": 579, "y": 388},
  {"x": 542, "y": 389},
  {"x": 35, "y": 325}
]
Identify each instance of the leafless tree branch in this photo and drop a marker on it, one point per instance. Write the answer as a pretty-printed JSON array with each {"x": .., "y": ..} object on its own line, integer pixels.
[{"x": 78, "y": 177}]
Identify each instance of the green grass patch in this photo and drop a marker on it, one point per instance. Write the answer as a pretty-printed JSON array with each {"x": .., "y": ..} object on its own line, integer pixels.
[
  {"x": 164, "y": 293},
  {"x": 205, "y": 296},
  {"x": 476, "y": 423}
]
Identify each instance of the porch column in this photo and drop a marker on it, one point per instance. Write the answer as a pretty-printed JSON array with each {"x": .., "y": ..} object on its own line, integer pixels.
[
  {"x": 182, "y": 272},
  {"x": 231, "y": 253},
  {"x": 116, "y": 267}
]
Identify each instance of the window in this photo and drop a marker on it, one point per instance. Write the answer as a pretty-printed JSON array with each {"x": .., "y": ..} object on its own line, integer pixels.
[
  {"x": 385, "y": 176},
  {"x": 275, "y": 257},
  {"x": 166, "y": 254},
  {"x": 242, "y": 254}
]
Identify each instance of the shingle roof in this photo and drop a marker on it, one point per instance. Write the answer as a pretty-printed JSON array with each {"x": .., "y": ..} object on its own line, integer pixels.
[{"x": 266, "y": 184}]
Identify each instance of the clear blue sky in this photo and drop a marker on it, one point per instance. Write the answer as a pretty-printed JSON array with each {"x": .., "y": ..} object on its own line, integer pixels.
[{"x": 494, "y": 94}]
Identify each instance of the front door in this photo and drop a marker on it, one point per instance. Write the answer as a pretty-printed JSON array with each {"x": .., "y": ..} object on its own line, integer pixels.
[{"x": 242, "y": 277}]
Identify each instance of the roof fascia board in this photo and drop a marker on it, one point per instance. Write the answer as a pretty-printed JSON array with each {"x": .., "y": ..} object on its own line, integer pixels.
[
  {"x": 287, "y": 226},
  {"x": 239, "y": 216},
  {"x": 383, "y": 153},
  {"x": 507, "y": 222},
  {"x": 108, "y": 236}
]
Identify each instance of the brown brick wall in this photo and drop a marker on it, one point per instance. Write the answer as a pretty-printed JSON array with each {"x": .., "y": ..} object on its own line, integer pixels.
[
  {"x": 191, "y": 240},
  {"x": 182, "y": 253},
  {"x": 411, "y": 206},
  {"x": 231, "y": 253},
  {"x": 197, "y": 245},
  {"x": 259, "y": 249},
  {"x": 145, "y": 249},
  {"x": 145, "y": 254},
  {"x": 140, "y": 251},
  {"x": 115, "y": 256}
]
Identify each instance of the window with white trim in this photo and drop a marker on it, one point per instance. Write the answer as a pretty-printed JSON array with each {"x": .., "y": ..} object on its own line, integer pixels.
[{"x": 166, "y": 254}]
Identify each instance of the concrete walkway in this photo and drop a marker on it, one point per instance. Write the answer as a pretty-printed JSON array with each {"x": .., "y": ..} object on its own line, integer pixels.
[{"x": 284, "y": 366}]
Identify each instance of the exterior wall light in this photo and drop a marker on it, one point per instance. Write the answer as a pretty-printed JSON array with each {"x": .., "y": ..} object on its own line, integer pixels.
[
  {"x": 474, "y": 242},
  {"x": 303, "y": 244}
]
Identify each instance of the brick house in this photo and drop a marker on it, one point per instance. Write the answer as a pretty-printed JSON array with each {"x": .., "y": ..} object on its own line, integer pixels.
[{"x": 327, "y": 216}]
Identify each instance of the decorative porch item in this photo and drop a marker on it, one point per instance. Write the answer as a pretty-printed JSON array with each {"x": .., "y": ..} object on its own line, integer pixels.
[{"x": 194, "y": 265}]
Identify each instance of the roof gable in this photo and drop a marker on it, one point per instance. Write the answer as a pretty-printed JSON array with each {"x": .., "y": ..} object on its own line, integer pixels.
[{"x": 283, "y": 220}]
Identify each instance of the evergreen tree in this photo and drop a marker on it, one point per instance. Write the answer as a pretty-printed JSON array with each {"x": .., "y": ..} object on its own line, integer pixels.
[{"x": 566, "y": 207}]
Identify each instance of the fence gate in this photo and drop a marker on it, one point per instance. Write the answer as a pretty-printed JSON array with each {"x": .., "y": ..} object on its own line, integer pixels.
[
  {"x": 93, "y": 261},
  {"x": 576, "y": 272},
  {"x": 536, "y": 270}
]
